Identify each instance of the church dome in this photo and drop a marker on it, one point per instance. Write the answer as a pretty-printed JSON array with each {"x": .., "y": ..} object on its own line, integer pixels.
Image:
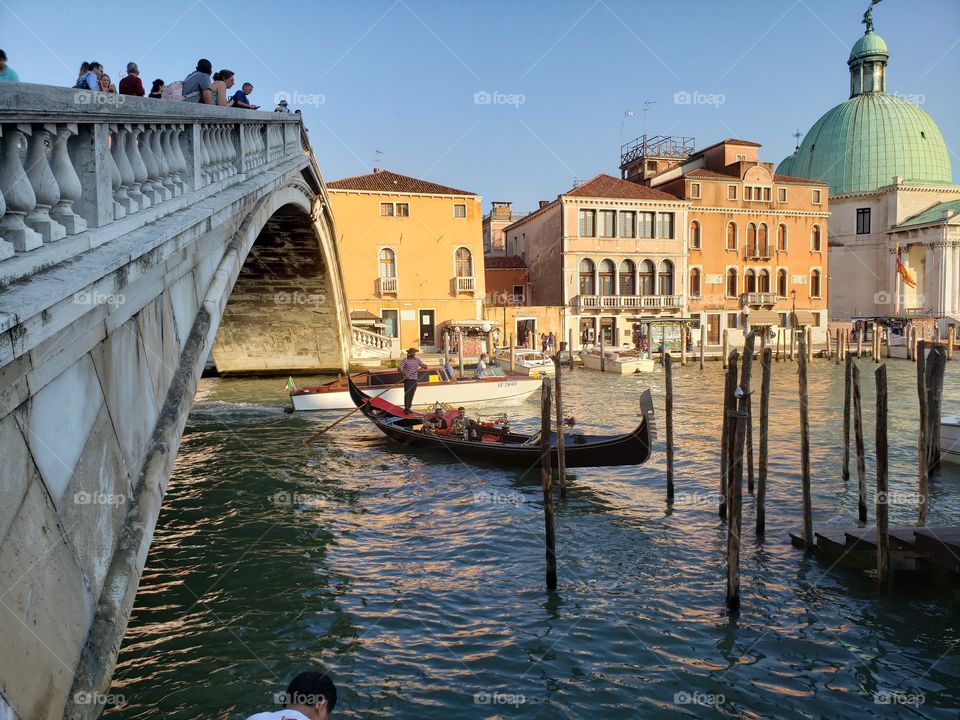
[{"x": 867, "y": 140}]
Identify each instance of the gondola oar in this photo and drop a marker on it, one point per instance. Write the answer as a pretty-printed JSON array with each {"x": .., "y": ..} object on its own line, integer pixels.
[{"x": 334, "y": 424}]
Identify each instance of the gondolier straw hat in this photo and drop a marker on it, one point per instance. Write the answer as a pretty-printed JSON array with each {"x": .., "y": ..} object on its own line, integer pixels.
[{"x": 412, "y": 350}]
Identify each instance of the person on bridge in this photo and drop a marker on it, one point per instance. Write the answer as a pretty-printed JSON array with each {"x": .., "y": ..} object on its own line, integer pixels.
[
  {"x": 410, "y": 366},
  {"x": 7, "y": 73},
  {"x": 222, "y": 81},
  {"x": 310, "y": 695},
  {"x": 156, "y": 92},
  {"x": 196, "y": 86},
  {"x": 131, "y": 84},
  {"x": 240, "y": 99},
  {"x": 90, "y": 78}
]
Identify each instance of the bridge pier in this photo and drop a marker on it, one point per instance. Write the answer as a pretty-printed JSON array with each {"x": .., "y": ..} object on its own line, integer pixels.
[{"x": 107, "y": 317}]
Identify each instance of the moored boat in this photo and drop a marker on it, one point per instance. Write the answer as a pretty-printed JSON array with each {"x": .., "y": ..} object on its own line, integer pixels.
[
  {"x": 624, "y": 362},
  {"x": 527, "y": 362},
  {"x": 431, "y": 388},
  {"x": 950, "y": 439},
  {"x": 500, "y": 446}
]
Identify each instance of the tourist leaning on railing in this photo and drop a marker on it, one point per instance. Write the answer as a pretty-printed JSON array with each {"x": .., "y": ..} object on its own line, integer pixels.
[
  {"x": 7, "y": 73},
  {"x": 156, "y": 92},
  {"x": 197, "y": 85},
  {"x": 222, "y": 81},
  {"x": 131, "y": 84},
  {"x": 90, "y": 79}
]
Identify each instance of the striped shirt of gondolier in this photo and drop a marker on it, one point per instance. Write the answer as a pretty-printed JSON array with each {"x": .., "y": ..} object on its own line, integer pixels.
[{"x": 410, "y": 367}]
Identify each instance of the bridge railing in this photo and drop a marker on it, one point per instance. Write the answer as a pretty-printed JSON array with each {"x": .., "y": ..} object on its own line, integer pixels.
[{"x": 72, "y": 161}]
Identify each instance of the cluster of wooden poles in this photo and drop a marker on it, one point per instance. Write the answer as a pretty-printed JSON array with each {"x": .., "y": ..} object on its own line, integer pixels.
[{"x": 737, "y": 440}]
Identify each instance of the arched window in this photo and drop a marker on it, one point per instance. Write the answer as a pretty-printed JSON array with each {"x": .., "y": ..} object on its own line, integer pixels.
[
  {"x": 731, "y": 236},
  {"x": 665, "y": 285},
  {"x": 388, "y": 263},
  {"x": 763, "y": 281},
  {"x": 732, "y": 282},
  {"x": 587, "y": 286},
  {"x": 695, "y": 282},
  {"x": 781, "y": 283},
  {"x": 606, "y": 277},
  {"x": 647, "y": 271},
  {"x": 464, "y": 262},
  {"x": 752, "y": 240},
  {"x": 749, "y": 281},
  {"x": 781, "y": 238},
  {"x": 694, "y": 235},
  {"x": 627, "y": 271},
  {"x": 763, "y": 242},
  {"x": 815, "y": 239},
  {"x": 815, "y": 283}
]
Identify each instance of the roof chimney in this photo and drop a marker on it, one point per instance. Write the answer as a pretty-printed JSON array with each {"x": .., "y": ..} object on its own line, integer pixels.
[
  {"x": 376, "y": 170},
  {"x": 544, "y": 203}
]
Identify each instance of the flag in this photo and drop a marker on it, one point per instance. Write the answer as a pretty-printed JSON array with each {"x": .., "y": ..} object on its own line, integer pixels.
[
  {"x": 290, "y": 386},
  {"x": 903, "y": 272}
]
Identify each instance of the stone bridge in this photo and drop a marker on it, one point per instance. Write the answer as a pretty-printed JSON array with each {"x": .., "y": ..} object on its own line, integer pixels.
[{"x": 126, "y": 226}]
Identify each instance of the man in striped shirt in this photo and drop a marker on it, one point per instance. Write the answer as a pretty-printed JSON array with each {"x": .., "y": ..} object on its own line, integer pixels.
[{"x": 410, "y": 366}]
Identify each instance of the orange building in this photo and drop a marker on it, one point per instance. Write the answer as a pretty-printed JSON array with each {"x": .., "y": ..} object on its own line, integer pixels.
[
  {"x": 412, "y": 254},
  {"x": 756, "y": 241},
  {"x": 506, "y": 280}
]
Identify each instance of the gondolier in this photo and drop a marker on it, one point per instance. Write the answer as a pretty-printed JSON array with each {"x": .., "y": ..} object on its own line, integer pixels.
[{"x": 410, "y": 366}]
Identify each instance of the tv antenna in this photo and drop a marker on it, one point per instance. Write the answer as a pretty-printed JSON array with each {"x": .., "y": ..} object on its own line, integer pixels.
[
  {"x": 379, "y": 157},
  {"x": 646, "y": 107}
]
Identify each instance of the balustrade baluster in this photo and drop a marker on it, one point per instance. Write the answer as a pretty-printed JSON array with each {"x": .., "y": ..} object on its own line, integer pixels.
[
  {"x": 163, "y": 182},
  {"x": 150, "y": 186},
  {"x": 68, "y": 182},
  {"x": 169, "y": 155},
  {"x": 221, "y": 152},
  {"x": 119, "y": 154},
  {"x": 232, "y": 149},
  {"x": 206, "y": 176},
  {"x": 132, "y": 145},
  {"x": 17, "y": 193},
  {"x": 44, "y": 185},
  {"x": 6, "y": 249},
  {"x": 217, "y": 155},
  {"x": 180, "y": 175}
]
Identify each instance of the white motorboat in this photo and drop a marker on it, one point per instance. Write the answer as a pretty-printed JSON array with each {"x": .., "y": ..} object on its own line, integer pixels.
[
  {"x": 432, "y": 388},
  {"x": 624, "y": 362},
  {"x": 526, "y": 362},
  {"x": 950, "y": 439}
]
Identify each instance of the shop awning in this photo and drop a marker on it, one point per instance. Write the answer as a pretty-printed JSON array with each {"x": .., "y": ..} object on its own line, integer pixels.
[
  {"x": 760, "y": 318},
  {"x": 470, "y": 324},
  {"x": 804, "y": 317}
]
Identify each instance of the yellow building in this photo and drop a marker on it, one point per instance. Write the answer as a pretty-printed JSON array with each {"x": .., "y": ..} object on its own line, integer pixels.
[{"x": 412, "y": 254}]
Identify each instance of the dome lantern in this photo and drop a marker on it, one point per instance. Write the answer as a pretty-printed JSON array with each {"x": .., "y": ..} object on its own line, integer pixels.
[{"x": 868, "y": 65}]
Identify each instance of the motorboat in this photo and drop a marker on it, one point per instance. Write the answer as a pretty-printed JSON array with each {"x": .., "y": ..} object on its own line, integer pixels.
[
  {"x": 620, "y": 361},
  {"x": 527, "y": 362}
]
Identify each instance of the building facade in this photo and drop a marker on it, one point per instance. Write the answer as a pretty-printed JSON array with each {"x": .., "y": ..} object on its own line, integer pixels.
[
  {"x": 494, "y": 241},
  {"x": 894, "y": 245},
  {"x": 756, "y": 240},
  {"x": 412, "y": 254},
  {"x": 611, "y": 252}
]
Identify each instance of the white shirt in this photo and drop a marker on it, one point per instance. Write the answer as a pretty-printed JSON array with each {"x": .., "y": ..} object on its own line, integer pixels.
[{"x": 279, "y": 715}]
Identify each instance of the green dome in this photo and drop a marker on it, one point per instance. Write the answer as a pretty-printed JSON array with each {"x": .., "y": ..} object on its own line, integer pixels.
[
  {"x": 861, "y": 144},
  {"x": 869, "y": 45}
]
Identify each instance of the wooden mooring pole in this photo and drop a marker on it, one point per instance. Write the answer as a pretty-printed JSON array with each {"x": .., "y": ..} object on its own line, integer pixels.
[
  {"x": 668, "y": 375},
  {"x": 561, "y": 449},
  {"x": 860, "y": 333},
  {"x": 570, "y": 347},
  {"x": 805, "y": 446},
  {"x": 683, "y": 346},
  {"x": 603, "y": 361},
  {"x": 936, "y": 365},
  {"x": 883, "y": 537},
  {"x": 460, "y": 337},
  {"x": 951, "y": 340},
  {"x": 546, "y": 479},
  {"x": 847, "y": 391},
  {"x": 735, "y": 489},
  {"x": 748, "y": 360},
  {"x": 703, "y": 344},
  {"x": 726, "y": 434},
  {"x": 861, "y": 453},
  {"x": 510, "y": 356},
  {"x": 766, "y": 366},
  {"x": 726, "y": 346},
  {"x": 923, "y": 452}
]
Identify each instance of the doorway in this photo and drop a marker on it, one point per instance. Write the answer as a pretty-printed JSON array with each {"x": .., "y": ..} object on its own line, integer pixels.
[
  {"x": 427, "y": 329},
  {"x": 526, "y": 333},
  {"x": 608, "y": 330},
  {"x": 713, "y": 329},
  {"x": 391, "y": 322}
]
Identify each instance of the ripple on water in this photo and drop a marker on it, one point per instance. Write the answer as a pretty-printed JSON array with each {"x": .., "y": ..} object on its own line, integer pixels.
[{"x": 419, "y": 581}]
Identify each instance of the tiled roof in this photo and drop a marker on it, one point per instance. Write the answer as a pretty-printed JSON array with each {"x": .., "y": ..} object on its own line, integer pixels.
[
  {"x": 390, "y": 182},
  {"x": 607, "y": 186},
  {"x": 788, "y": 179},
  {"x": 931, "y": 215},
  {"x": 502, "y": 262},
  {"x": 784, "y": 179}
]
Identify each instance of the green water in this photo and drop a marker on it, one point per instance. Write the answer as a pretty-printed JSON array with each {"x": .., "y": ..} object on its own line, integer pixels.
[{"x": 419, "y": 581}]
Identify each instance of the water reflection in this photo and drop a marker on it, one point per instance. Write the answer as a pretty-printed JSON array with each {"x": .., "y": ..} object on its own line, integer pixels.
[{"x": 419, "y": 581}]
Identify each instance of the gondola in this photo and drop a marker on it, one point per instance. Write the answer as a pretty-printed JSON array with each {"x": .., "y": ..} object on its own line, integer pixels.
[{"x": 510, "y": 449}]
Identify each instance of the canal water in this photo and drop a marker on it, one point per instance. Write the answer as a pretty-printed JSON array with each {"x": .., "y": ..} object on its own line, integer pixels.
[{"x": 419, "y": 581}]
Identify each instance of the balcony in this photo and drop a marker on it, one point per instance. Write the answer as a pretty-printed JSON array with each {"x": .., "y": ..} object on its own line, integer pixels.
[
  {"x": 755, "y": 299},
  {"x": 627, "y": 302},
  {"x": 386, "y": 286},
  {"x": 464, "y": 284}
]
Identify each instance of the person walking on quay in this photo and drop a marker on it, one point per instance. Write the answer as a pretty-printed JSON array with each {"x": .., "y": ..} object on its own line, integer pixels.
[
  {"x": 7, "y": 73},
  {"x": 131, "y": 84},
  {"x": 156, "y": 92},
  {"x": 552, "y": 343},
  {"x": 310, "y": 695},
  {"x": 196, "y": 86},
  {"x": 240, "y": 99},
  {"x": 410, "y": 366}
]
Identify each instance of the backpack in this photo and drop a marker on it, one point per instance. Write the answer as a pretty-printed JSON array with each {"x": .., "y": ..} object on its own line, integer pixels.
[
  {"x": 82, "y": 82},
  {"x": 173, "y": 91}
]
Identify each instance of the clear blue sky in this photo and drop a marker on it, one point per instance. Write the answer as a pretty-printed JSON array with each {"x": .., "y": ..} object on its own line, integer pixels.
[{"x": 401, "y": 75}]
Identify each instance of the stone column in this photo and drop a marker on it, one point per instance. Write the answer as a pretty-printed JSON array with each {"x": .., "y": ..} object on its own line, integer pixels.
[
  {"x": 17, "y": 192},
  {"x": 99, "y": 176}
]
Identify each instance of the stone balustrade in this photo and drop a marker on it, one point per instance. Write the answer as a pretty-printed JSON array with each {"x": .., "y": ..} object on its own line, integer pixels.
[{"x": 74, "y": 162}]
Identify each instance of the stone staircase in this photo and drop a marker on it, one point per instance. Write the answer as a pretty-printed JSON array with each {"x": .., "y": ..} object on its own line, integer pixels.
[{"x": 370, "y": 348}]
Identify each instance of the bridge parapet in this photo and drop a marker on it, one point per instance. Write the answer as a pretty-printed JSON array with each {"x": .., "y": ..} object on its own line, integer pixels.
[{"x": 74, "y": 163}]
